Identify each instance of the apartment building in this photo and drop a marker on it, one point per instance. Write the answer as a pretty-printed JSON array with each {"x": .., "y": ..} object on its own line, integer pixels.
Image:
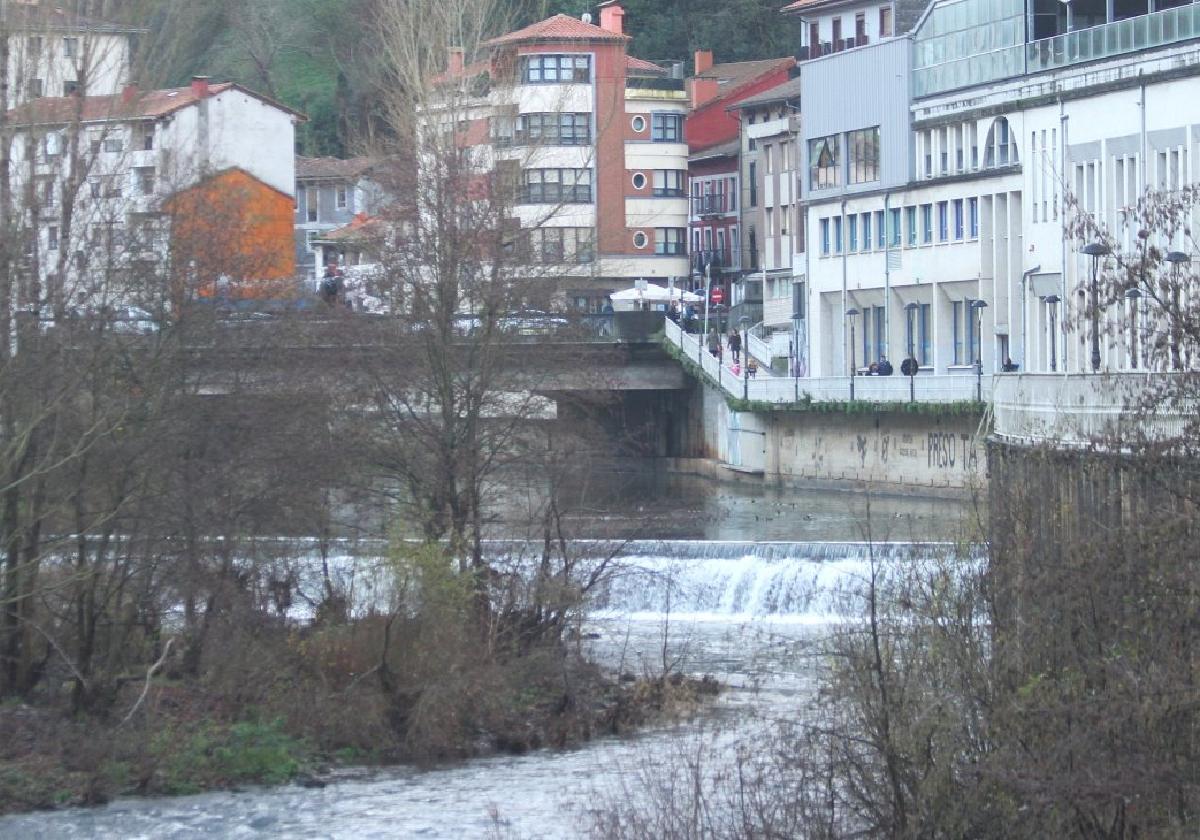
[
  {"x": 202, "y": 174},
  {"x": 944, "y": 167},
  {"x": 593, "y": 139},
  {"x": 771, "y": 213},
  {"x": 54, "y": 52},
  {"x": 831, "y": 26},
  {"x": 715, "y": 178},
  {"x": 330, "y": 194}
]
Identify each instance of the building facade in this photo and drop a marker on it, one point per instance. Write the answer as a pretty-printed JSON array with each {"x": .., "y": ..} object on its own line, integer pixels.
[
  {"x": 330, "y": 194},
  {"x": 593, "y": 141},
  {"x": 57, "y": 52}
]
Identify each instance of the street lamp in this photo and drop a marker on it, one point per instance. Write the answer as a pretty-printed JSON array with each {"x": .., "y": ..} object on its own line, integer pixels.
[
  {"x": 1096, "y": 250},
  {"x": 979, "y": 306},
  {"x": 744, "y": 322},
  {"x": 852, "y": 313},
  {"x": 1052, "y": 301},
  {"x": 1132, "y": 295},
  {"x": 1176, "y": 259},
  {"x": 911, "y": 309}
]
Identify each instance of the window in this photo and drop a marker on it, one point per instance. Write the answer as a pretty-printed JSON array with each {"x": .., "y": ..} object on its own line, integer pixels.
[
  {"x": 866, "y": 225},
  {"x": 666, "y": 128},
  {"x": 52, "y": 238},
  {"x": 753, "y": 177},
  {"x": 943, "y": 210},
  {"x": 558, "y": 245},
  {"x": 880, "y": 233},
  {"x": 824, "y": 167},
  {"x": 34, "y": 45},
  {"x": 917, "y": 333},
  {"x": 49, "y": 193},
  {"x": 144, "y": 177},
  {"x": 956, "y": 323},
  {"x": 52, "y": 144},
  {"x": 311, "y": 204},
  {"x": 894, "y": 223},
  {"x": 837, "y": 234},
  {"x": 148, "y": 138},
  {"x": 550, "y": 68},
  {"x": 553, "y": 129},
  {"x": 639, "y": 124},
  {"x": 113, "y": 144},
  {"x": 670, "y": 241},
  {"x": 639, "y": 181},
  {"x": 669, "y": 182},
  {"x": 864, "y": 155},
  {"x": 944, "y": 150},
  {"x": 639, "y": 240},
  {"x": 342, "y": 199},
  {"x": 94, "y": 187},
  {"x": 910, "y": 220},
  {"x": 1000, "y": 148},
  {"x": 852, "y": 244},
  {"x": 973, "y": 217},
  {"x": 860, "y": 27},
  {"x": 926, "y": 224},
  {"x": 959, "y": 219},
  {"x": 70, "y": 47},
  {"x": 768, "y": 158},
  {"x": 551, "y": 186},
  {"x": 974, "y": 338},
  {"x": 885, "y": 22},
  {"x": 310, "y": 237},
  {"x": 35, "y": 88},
  {"x": 825, "y": 237},
  {"x": 70, "y": 88}
]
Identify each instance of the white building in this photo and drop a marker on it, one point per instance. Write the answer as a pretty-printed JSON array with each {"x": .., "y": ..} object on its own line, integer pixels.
[
  {"x": 940, "y": 167},
  {"x": 57, "y": 52},
  {"x": 113, "y": 161}
]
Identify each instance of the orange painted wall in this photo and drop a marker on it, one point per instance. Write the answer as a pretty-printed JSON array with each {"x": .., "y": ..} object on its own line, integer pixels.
[{"x": 232, "y": 225}]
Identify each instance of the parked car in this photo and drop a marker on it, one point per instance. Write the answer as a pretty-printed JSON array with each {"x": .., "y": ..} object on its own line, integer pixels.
[{"x": 532, "y": 322}]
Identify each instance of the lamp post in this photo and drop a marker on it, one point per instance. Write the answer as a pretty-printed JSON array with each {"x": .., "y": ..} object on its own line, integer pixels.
[
  {"x": 744, "y": 323},
  {"x": 1132, "y": 295},
  {"x": 911, "y": 310},
  {"x": 707, "y": 296},
  {"x": 1176, "y": 259},
  {"x": 1052, "y": 301},
  {"x": 852, "y": 313},
  {"x": 1026, "y": 278},
  {"x": 1096, "y": 250},
  {"x": 979, "y": 306}
]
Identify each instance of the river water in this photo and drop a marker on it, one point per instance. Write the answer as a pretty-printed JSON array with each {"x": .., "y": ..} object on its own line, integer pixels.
[{"x": 744, "y": 608}]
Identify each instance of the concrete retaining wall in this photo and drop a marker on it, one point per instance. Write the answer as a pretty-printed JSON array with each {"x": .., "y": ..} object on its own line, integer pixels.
[{"x": 926, "y": 451}]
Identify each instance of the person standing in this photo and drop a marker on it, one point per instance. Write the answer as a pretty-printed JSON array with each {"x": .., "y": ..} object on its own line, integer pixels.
[
  {"x": 714, "y": 342},
  {"x": 735, "y": 346}
]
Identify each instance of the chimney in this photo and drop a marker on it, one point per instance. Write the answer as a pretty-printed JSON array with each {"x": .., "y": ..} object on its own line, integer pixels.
[
  {"x": 456, "y": 61},
  {"x": 129, "y": 93},
  {"x": 703, "y": 90},
  {"x": 200, "y": 87},
  {"x": 612, "y": 18}
]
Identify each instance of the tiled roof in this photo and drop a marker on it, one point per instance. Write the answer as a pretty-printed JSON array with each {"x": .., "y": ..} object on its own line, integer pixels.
[
  {"x": 809, "y": 4},
  {"x": 780, "y": 93},
  {"x": 362, "y": 228},
  {"x": 640, "y": 65},
  {"x": 149, "y": 104},
  {"x": 328, "y": 167},
  {"x": 558, "y": 28},
  {"x": 730, "y": 148},
  {"x": 24, "y": 18},
  {"x": 735, "y": 73}
]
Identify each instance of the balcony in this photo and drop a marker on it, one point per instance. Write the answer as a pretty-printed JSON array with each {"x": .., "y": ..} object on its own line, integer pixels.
[
  {"x": 1109, "y": 39},
  {"x": 715, "y": 258},
  {"x": 711, "y": 205},
  {"x": 830, "y": 47}
]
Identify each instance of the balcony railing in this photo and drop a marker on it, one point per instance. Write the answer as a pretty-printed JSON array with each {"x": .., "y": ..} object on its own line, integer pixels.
[
  {"x": 653, "y": 83},
  {"x": 707, "y": 205},
  {"x": 831, "y": 47},
  {"x": 1122, "y": 36},
  {"x": 703, "y": 259}
]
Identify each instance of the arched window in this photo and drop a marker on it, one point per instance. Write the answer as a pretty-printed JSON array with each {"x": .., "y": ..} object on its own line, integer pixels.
[{"x": 1001, "y": 146}]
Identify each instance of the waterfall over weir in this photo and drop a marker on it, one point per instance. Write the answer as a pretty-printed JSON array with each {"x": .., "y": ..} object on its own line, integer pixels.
[{"x": 719, "y": 581}]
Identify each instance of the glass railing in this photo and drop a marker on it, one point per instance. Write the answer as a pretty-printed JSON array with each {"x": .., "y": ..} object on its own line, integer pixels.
[
  {"x": 1122, "y": 36},
  {"x": 937, "y": 69}
]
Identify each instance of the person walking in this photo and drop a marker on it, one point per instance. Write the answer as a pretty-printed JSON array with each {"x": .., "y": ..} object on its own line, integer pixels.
[
  {"x": 735, "y": 346},
  {"x": 714, "y": 342}
]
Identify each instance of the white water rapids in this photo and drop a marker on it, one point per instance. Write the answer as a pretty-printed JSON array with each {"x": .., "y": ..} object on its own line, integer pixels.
[{"x": 740, "y": 611}]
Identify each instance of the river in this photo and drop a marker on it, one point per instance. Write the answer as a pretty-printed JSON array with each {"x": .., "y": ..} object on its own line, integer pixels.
[{"x": 736, "y": 601}]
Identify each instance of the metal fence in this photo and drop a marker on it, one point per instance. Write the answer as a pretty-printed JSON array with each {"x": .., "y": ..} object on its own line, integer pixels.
[{"x": 785, "y": 390}]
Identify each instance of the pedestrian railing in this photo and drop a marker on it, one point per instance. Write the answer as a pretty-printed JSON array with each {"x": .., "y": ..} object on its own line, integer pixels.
[{"x": 780, "y": 390}]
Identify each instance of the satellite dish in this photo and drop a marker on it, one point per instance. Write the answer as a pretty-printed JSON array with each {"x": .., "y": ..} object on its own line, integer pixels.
[{"x": 587, "y": 16}]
